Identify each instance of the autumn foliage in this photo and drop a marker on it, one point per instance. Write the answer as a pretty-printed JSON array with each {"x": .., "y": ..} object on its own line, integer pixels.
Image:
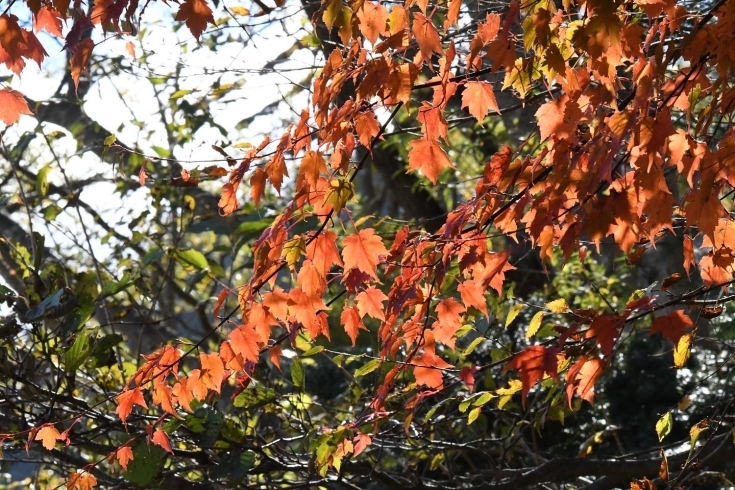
[{"x": 626, "y": 97}]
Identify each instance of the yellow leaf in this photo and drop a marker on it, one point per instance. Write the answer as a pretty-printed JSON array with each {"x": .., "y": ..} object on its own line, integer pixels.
[
  {"x": 663, "y": 426},
  {"x": 513, "y": 313},
  {"x": 474, "y": 413},
  {"x": 682, "y": 350},
  {"x": 535, "y": 324},
  {"x": 558, "y": 305},
  {"x": 514, "y": 386}
]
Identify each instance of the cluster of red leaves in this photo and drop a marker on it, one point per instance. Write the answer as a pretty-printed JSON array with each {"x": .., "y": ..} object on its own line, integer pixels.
[{"x": 596, "y": 137}]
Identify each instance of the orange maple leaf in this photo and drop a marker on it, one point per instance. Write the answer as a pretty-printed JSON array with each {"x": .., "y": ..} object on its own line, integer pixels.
[
  {"x": 672, "y": 326},
  {"x": 244, "y": 341},
  {"x": 373, "y": 21},
  {"x": 310, "y": 279},
  {"x": 257, "y": 185},
  {"x": 81, "y": 481},
  {"x": 370, "y": 302},
  {"x": 323, "y": 253},
  {"x": 532, "y": 364},
  {"x": 49, "y": 20},
  {"x": 364, "y": 251},
  {"x": 12, "y": 105},
  {"x": 473, "y": 294},
  {"x": 126, "y": 400},
  {"x": 124, "y": 455},
  {"x": 480, "y": 99},
  {"x": 195, "y": 384},
  {"x": 213, "y": 371},
  {"x": 352, "y": 322},
  {"x": 582, "y": 376},
  {"x": 182, "y": 394},
  {"x": 606, "y": 330},
  {"x": 312, "y": 165},
  {"x": 426, "y": 36},
  {"x": 449, "y": 313},
  {"x": 79, "y": 61},
  {"x": 428, "y": 157},
  {"x": 428, "y": 369},
  {"x": 196, "y": 14},
  {"x": 161, "y": 439},
  {"x": 228, "y": 200},
  {"x": 48, "y": 435}
]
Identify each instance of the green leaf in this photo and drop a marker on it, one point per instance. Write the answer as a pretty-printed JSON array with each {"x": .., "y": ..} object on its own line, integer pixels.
[
  {"x": 147, "y": 464},
  {"x": 192, "y": 258},
  {"x": 42, "y": 181},
  {"x": 473, "y": 345},
  {"x": 368, "y": 367},
  {"x": 663, "y": 426},
  {"x": 51, "y": 211},
  {"x": 313, "y": 351},
  {"x": 297, "y": 373},
  {"x": 110, "y": 140},
  {"x": 255, "y": 397},
  {"x": 77, "y": 353},
  {"x": 180, "y": 93},
  {"x": 513, "y": 313}
]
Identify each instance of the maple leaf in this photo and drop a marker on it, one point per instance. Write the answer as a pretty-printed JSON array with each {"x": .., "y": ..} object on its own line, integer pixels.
[
  {"x": 370, "y": 302},
  {"x": 426, "y": 36},
  {"x": 79, "y": 61},
  {"x": 196, "y": 386},
  {"x": 257, "y": 185},
  {"x": 428, "y": 369},
  {"x": 532, "y": 364},
  {"x": 182, "y": 394},
  {"x": 48, "y": 435},
  {"x": 49, "y": 20},
  {"x": 449, "y": 313},
  {"x": 672, "y": 326},
  {"x": 323, "y": 252},
  {"x": 81, "y": 481},
  {"x": 244, "y": 341},
  {"x": 310, "y": 280},
  {"x": 373, "y": 21},
  {"x": 351, "y": 320},
  {"x": 364, "y": 251},
  {"x": 312, "y": 165},
  {"x": 473, "y": 294},
  {"x": 126, "y": 400},
  {"x": 582, "y": 376},
  {"x": 228, "y": 201},
  {"x": 213, "y": 371},
  {"x": 196, "y": 14},
  {"x": 480, "y": 99},
  {"x": 606, "y": 330},
  {"x": 161, "y": 439},
  {"x": 124, "y": 455},
  {"x": 12, "y": 105},
  {"x": 428, "y": 157}
]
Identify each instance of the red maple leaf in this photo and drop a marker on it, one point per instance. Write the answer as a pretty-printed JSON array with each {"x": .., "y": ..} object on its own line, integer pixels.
[
  {"x": 49, "y": 20},
  {"x": 672, "y": 326},
  {"x": 532, "y": 364},
  {"x": 582, "y": 376},
  {"x": 606, "y": 330},
  {"x": 126, "y": 400},
  {"x": 428, "y": 157},
  {"x": 196, "y": 14},
  {"x": 364, "y": 251},
  {"x": 370, "y": 302},
  {"x": 124, "y": 455},
  {"x": 161, "y": 439},
  {"x": 352, "y": 322},
  {"x": 449, "y": 313},
  {"x": 12, "y": 105},
  {"x": 323, "y": 252},
  {"x": 480, "y": 99},
  {"x": 473, "y": 294}
]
